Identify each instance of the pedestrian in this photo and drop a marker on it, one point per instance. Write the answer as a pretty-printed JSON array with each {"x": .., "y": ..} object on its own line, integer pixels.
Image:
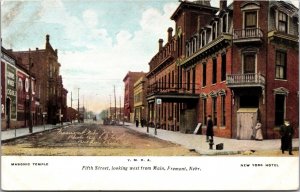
[
  {"x": 142, "y": 122},
  {"x": 286, "y": 132},
  {"x": 258, "y": 131},
  {"x": 209, "y": 129},
  {"x": 136, "y": 122}
]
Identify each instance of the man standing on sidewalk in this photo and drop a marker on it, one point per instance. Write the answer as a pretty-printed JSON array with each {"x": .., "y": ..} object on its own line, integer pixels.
[
  {"x": 209, "y": 129},
  {"x": 136, "y": 122},
  {"x": 286, "y": 132}
]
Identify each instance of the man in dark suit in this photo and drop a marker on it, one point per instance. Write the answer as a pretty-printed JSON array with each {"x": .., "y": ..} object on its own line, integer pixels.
[
  {"x": 286, "y": 132},
  {"x": 209, "y": 129}
]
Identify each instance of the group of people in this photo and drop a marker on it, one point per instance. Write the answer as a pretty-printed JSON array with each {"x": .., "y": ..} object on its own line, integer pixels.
[
  {"x": 137, "y": 122},
  {"x": 286, "y": 133}
]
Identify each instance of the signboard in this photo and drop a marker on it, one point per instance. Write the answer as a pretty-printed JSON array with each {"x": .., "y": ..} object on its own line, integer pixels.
[
  {"x": 21, "y": 90},
  {"x": 198, "y": 129},
  {"x": 11, "y": 90},
  {"x": 158, "y": 101}
]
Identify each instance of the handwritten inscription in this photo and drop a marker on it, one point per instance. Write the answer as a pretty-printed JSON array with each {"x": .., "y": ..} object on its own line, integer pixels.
[{"x": 91, "y": 136}]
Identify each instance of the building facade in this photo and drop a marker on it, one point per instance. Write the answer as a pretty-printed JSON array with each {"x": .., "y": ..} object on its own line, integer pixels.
[
  {"x": 129, "y": 80},
  {"x": 239, "y": 71},
  {"x": 16, "y": 93},
  {"x": 46, "y": 69},
  {"x": 140, "y": 103}
]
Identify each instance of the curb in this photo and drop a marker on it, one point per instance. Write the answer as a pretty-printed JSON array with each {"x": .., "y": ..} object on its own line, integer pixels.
[{"x": 22, "y": 136}]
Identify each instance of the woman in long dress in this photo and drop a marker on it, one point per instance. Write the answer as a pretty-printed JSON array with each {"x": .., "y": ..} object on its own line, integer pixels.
[{"x": 258, "y": 132}]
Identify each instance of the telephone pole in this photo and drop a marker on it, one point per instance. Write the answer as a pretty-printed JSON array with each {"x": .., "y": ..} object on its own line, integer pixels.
[
  {"x": 78, "y": 106},
  {"x": 120, "y": 110},
  {"x": 71, "y": 106},
  {"x": 115, "y": 103}
]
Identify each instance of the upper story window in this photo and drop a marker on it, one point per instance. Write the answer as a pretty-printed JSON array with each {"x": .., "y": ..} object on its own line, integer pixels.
[
  {"x": 225, "y": 23},
  {"x": 251, "y": 19},
  {"x": 214, "y": 71},
  {"x": 203, "y": 38},
  {"x": 282, "y": 22},
  {"x": 249, "y": 63},
  {"x": 280, "y": 62},
  {"x": 214, "y": 31}
]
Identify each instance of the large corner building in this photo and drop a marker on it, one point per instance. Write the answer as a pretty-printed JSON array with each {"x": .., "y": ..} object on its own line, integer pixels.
[{"x": 238, "y": 63}]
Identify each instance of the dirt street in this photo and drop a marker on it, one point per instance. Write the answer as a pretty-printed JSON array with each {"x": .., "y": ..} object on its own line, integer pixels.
[{"x": 93, "y": 140}]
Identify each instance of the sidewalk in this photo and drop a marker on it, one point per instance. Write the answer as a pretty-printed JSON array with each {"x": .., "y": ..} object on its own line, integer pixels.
[
  {"x": 199, "y": 144},
  {"x": 20, "y": 132}
]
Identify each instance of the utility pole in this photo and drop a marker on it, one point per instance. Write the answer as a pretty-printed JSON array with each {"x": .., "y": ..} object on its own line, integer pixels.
[
  {"x": 83, "y": 109},
  {"x": 30, "y": 93},
  {"x": 78, "y": 106},
  {"x": 71, "y": 105},
  {"x": 109, "y": 106},
  {"x": 71, "y": 99},
  {"x": 120, "y": 110},
  {"x": 115, "y": 102}
]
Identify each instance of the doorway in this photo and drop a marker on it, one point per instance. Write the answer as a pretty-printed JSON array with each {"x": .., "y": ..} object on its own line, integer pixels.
[{"x": 246, "y": 121}]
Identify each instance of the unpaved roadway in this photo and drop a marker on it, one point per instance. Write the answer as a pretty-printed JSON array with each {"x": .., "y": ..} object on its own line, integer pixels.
[{"x": 93, "y": 140}]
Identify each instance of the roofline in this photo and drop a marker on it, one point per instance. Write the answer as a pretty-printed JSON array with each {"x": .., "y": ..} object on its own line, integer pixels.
[{"x": 184, "y": 3}]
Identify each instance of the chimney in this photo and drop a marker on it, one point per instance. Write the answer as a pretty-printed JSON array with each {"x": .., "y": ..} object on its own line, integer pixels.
[
  {"x": 198, "y": 24},
  {"x": 56, "y": 51},
  {"x": 170, "y": 30},
  {"x": 160, "y": 42},
  {"x": 223, "y": 4},
  {"x": 47, "y": 38}
]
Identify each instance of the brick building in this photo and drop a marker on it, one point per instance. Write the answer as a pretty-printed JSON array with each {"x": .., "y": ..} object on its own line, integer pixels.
[
  {"x": 15, "y": 93},
  {"x": 46, "y": 69},
  {"x": 140, "y": 103},
  {"x": 129, "y": 80},
  {"x": 71, "y": 114},
  {"x": 238, "y": 70}
]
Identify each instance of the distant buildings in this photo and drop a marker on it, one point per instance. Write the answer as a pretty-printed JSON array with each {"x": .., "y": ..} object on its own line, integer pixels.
[
  {"x": 140, "y": 103},
  {"x": 129, "y": 80}
]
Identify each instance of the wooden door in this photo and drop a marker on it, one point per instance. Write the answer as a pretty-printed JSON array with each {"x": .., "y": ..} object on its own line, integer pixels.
[{"x": 245, "y": 124}]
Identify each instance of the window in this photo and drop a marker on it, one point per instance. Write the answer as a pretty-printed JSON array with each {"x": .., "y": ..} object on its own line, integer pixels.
[
  {"x": 249, "y": 63},
  {"x": 214, "y": 32},
  {"x": 169, "y": 80},
  {"x": 223, "y": 68},
  {"x": 204, "y": 74},
  {"x": 188, "y": 79},
  {"x": 224, "y": 23},
  {"x": 223, "y": 115},
  {"x": 282, "y": 22},
  {"x": 203, "y": 39},
  {"x": 280, "y": 63},
  {"x": 194, "y": 79},
  {"x": 214, "y": 110},
  {"x": 165, "y": 86},
  {"x": 279, "y": 109},
  {"x": 173, "y": 79},
  {"x": 204, "y": 111},
  {"x": 214, "y": 71},
  {"x": 250, "y": 19}
]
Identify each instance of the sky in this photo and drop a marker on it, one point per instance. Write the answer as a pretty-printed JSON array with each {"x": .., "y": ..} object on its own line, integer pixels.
[{"x": 98, "y": 41}]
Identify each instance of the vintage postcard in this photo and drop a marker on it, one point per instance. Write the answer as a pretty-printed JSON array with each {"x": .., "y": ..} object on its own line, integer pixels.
[{"x": 149, "y": 95}]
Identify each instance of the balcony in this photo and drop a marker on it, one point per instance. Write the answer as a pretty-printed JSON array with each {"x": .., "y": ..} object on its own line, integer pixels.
[
  {"x": 249, "y": 35},
  {"x": 245, "y": 80},
  {"x": 174, "y": 91}
]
